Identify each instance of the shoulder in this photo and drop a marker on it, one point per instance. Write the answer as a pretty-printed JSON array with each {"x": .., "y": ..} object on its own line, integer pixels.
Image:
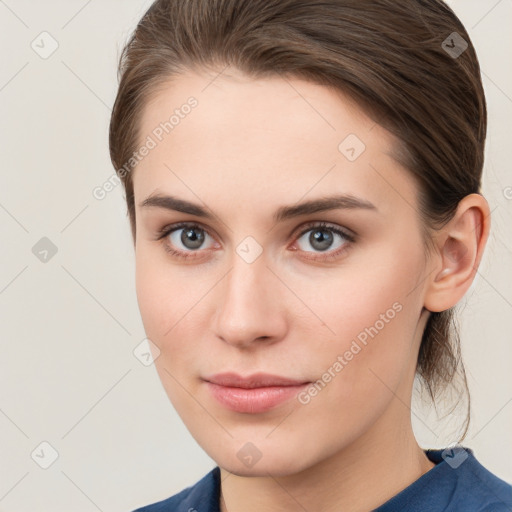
[
  {"x": 457, "y": 483},
  {"x": 475, "y": 486},
  {"x": 203, "y": 493}
]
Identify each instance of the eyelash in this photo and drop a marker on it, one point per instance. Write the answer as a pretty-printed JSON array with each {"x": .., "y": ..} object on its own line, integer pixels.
[{"x": 319, "y": 226}]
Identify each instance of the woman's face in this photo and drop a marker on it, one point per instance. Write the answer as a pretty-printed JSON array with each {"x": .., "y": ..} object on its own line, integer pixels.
[{"x": 257, "y": 286}]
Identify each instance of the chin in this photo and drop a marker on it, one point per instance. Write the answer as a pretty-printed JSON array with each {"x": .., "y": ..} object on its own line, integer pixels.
[
  {"x": 254, "y": 460},
  {"x": 264, "y": 469}
]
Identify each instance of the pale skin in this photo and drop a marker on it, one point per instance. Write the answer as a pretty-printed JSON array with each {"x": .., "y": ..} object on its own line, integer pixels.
[{"x": 248, "y": 148}]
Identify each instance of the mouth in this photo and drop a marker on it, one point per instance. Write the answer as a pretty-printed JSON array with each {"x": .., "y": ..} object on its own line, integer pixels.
[{"x": 254, "y": 394}]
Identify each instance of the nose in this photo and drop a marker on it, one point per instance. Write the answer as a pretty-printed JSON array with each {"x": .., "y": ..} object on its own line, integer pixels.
[{"x": 251, "y": 307}]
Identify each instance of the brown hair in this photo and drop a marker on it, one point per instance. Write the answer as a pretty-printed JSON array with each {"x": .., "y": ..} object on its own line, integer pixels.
[{"x": 400, "y": 61}]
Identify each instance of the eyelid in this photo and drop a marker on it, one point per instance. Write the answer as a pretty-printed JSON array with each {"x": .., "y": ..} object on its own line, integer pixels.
[
  {"x": 319, "y": 224},
  {"x": 170, "y": 228},
  {"x": 296, "y": 233},
  {"x": 349, "y": 235}
]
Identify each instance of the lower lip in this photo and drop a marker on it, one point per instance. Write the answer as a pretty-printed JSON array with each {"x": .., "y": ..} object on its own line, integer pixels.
[{"x": 253, "y": 400}]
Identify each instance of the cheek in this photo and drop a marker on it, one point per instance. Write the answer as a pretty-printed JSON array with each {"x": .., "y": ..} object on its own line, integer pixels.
[
  {"x": 159, "y": 296},
  {"x": 171, "y": 301},
  {"x": 166, "y": 303},
  {"x": 366, "y": 291},
  {"x": 373, "y": 311},
  {"x": 150, "y": 292}
]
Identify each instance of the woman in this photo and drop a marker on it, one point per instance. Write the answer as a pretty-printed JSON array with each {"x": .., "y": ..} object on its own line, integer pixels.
[{"x": 303, "y": 185}]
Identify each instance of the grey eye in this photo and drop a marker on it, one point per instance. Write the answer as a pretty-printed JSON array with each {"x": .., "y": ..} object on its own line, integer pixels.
[
  {"x": 190, "y": 237},
  {"x": 321, "y": 239}
]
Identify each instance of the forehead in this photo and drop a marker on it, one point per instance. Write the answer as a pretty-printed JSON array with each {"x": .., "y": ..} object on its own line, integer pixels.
[
  {"x": 273, "y": 137},
  {"x": 290, "y": 108}
]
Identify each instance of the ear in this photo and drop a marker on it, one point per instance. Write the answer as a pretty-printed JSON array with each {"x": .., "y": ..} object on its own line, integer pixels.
[{"x": 460, "y": 245}]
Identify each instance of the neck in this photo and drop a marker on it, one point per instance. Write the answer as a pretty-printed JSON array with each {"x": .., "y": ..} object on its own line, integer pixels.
[{"x": 362, "y": 476}]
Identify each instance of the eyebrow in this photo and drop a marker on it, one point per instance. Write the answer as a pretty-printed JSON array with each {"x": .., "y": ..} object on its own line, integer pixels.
[{"x": 335, "y": 202}]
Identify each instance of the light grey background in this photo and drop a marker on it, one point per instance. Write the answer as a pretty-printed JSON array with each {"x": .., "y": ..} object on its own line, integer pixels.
[{"x": 69, "y": 325}]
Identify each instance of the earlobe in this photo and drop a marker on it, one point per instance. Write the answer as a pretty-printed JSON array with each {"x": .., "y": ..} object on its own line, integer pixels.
[{"x": 461, "y": 244}]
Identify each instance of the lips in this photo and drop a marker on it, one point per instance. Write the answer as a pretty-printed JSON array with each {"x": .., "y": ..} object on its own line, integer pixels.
[
  {"x": 257, "y": 380},
  {"x": 252, "y": 394}
]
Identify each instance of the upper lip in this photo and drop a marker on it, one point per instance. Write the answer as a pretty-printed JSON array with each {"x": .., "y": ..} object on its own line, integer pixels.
[{"x": 256, "y": 380}]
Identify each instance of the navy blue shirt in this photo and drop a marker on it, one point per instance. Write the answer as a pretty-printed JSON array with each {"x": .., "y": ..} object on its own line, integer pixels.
[{"x": 457, "y": 483}]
